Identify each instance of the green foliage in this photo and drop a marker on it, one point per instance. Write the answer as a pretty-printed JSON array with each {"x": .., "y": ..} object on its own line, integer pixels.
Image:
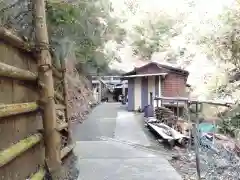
[
  {"x": 61, "y": 13},
  {"x": 224, "y": 43},
  {"x": 86, "y": 23},
  {"x": 230, "y": 123},
  {"x": 151, "y": 36}
]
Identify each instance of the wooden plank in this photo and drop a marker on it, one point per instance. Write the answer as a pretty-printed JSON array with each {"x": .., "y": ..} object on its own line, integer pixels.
[
  {"x": 16, "y": 73},
  {"x": 19, "y": 108},
  {"x": 17, "y": 149},
  {"x": 66, "y": 150},
  {"x": 39, "y": 175}
]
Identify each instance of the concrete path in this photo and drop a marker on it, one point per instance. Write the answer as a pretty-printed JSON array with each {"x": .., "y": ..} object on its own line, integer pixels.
[
  {"x": 105, "y": 148},
  {"x": 129, "y": 129}
]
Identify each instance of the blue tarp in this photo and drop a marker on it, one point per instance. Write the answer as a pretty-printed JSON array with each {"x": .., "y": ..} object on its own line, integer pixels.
[{"x": 206, "y": 128}]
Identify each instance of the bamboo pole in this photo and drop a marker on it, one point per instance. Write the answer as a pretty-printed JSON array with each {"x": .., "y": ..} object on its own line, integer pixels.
[
  {"x": 59, "y": 96},
  {"x": 196, "y": 138},
  {"x": 66, "y": 150},
  {"x": 17, "y": 73},
  {"x": 60, "y": 107},
  {"x": 39, "y": 175},
  {"x": 65, "y": 96},
  {"x": 62, "y": 126},
  {"x": 56, "y": 73},
  {"x": 189, "y": 122},
  {"x": 194, "y": 101},
  {"x": 14, "y": 40},
  {"x": 19, "y": 108},
  {"x": 17, "y": 149},
  {"x": 56, "y": 94},
  {"x": 51, "y": 136}
]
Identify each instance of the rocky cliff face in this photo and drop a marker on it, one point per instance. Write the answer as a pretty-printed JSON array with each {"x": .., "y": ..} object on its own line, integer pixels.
[{"x": 80, "y": 96}]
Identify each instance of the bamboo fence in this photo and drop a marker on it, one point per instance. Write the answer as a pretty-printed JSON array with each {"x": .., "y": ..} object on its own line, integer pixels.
[
  {"x": 21, "y": 141},
  {"x": 29, "y": 142}
]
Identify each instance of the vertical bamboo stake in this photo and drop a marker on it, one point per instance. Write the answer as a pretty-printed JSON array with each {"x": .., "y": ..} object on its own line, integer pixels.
[
  {"x": 51, "y": 136},
  {"x": 65, "y": 96},
  {"x": 197, "y": 144},
  {"x": 189, "y": 122}
]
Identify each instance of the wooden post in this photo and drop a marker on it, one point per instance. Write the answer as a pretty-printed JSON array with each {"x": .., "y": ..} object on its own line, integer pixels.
[
  {"x": 177, "y": 111},
  {"x": 124, "y": 91},
  {"x": 196, "y": 142},
  {"x": 100, "y": 89},
  {"x": 51, "y": 136},
  {"x": 99, "y": 86},
  {"x": 189, "y": 122},
  {"x": 151, "y": 98}
]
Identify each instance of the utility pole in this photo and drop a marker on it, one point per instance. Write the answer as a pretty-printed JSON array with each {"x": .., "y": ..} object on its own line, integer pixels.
[{"x": 51, "y": 136}]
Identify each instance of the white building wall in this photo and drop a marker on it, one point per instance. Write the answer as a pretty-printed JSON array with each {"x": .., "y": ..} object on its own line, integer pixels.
[
  {"x": 137, "y": 93},
  {"x": 151, "y": 87}
]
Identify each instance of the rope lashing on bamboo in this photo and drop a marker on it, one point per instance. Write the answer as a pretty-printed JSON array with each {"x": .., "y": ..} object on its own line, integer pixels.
[
  {"x": 42, "y": 46},
  {"x": 45, "y": 67}
]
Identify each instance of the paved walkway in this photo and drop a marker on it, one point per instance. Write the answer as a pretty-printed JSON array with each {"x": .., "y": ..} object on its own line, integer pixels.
[{"x": 106, "y": 148}]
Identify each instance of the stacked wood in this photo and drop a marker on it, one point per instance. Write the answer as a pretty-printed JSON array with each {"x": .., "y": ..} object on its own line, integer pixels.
[
  {"x": 184, "y": 127},
  {"x": 169, "y": 134},
  {"x": 165, "y": 115}
]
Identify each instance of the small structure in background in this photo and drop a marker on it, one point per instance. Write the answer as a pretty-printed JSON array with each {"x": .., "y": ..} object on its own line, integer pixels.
[
  {"x": 158, "y": 80},
  {"x": 108, "y": 87}
]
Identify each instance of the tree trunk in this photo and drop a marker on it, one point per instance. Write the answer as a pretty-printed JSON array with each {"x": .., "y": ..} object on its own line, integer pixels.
[{"x": 51, "y": 136}]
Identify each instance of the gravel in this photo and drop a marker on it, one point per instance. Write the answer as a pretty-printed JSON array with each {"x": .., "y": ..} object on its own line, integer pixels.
[{"x": 216, "y": 162}]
